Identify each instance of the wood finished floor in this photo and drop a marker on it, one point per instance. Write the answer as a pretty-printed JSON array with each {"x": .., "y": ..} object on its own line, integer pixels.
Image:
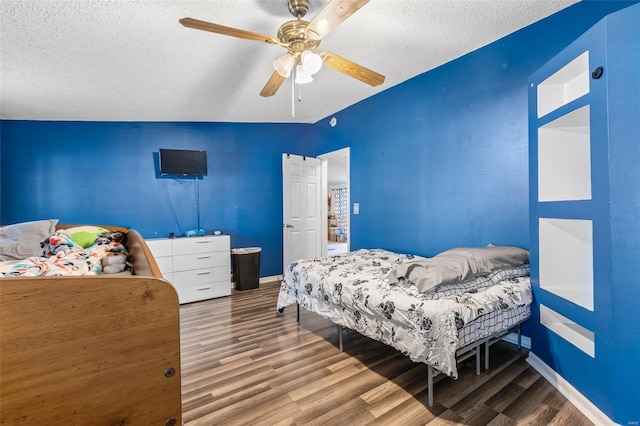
[{"x": 244, "y": 365}]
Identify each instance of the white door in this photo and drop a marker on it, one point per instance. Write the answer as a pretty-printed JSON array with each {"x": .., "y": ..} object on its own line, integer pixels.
[{"x": 304, "y": 205}]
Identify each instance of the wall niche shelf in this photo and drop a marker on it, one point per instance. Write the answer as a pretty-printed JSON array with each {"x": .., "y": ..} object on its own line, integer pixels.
[
  {"x": 574, "y": 333},
  {"x": 566, "y": 259},
  {"x": 564, "y": 158},
  {"x": 566, "y": 85}
]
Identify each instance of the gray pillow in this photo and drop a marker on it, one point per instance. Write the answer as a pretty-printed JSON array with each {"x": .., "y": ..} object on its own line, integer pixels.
[
  {"x": 22, "y": 240},
  {"x": 458, "y": 265},
  {"x": 491, "y": 257}
]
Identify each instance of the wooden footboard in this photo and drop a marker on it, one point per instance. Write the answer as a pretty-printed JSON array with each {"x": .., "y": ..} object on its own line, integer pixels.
[{"x": 101, "y": 350}]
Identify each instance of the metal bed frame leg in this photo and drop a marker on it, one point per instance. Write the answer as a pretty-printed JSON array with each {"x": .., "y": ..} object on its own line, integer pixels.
[
  {"x": 488, "y": 343},
  {"x": 477, "y": 350},
  {"x": 430, "y": 384},
  {"x": 297, "y": 312},
  {"x": 486, "y": 355},
  {"x": 340, "y": 334}
]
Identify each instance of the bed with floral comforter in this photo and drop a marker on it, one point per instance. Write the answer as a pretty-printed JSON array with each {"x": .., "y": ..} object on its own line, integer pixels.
[{"x": 353, "y": 290}]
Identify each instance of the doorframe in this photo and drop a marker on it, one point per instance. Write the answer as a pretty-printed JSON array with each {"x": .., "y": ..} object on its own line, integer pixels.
[{"x": 344, "y": 152}]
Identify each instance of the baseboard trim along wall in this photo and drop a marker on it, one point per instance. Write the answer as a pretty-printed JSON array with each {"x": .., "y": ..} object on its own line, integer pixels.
[
  {"x": 587, "y": 408},
  {"x": 270, "y": 279}
]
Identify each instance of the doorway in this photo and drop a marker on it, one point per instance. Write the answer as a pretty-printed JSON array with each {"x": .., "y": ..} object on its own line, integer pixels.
[{"x": 338, "y": 201}]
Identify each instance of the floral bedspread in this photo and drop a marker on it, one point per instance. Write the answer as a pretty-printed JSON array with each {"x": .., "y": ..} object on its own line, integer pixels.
[
  {"x": 63, "y": 257},
  {"x": 352, "y": 290}
]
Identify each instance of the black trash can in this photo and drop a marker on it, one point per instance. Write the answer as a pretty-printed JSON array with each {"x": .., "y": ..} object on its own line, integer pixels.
[{"x": 246, "y": 267}]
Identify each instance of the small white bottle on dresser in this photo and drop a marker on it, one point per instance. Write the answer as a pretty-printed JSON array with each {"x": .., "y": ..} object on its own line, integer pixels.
[{"x": 199, "y": 268}]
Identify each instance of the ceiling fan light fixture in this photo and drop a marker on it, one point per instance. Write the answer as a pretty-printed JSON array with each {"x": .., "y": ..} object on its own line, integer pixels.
[
  {"x": 284, "y": 64},
  {"x": 311, "y": 61},
  {"x": 302, "y": 76},
  {"x": 300, "y": 39}
]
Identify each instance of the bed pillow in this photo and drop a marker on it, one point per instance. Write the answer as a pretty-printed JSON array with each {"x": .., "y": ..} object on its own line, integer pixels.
[
  {"x": 492, "y": 257},
  {"x": 458, "y": 265},
  {"x": 84, "y": 236},
  {"x": 22, "y": 240}
]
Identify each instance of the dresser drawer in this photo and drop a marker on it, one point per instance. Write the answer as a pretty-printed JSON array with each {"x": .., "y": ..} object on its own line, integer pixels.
[
  {"x": 204, "y": 291},
  {"x": 199, "y": 268},
  {"x": 160, "y": 248},
  {"x": 196, "y": 245},
  {"x": 194, "y": 277},
  {"x": 186, "y": 262},
  {"x": 165, "y": 264}
]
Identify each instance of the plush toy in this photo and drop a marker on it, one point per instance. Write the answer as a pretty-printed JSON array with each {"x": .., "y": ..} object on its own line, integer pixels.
[
  {"x": 58, "y": 244},
  {"x": 110, "y": 237},
  {"x": 112, "y": 263}
]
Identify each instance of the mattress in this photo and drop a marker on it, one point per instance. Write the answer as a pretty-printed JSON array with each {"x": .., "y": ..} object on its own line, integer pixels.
[{"x": 352, "y": 290}]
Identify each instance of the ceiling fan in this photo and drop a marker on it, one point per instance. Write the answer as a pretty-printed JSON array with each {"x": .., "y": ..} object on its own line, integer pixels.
[{"x": 301, "y": 40}]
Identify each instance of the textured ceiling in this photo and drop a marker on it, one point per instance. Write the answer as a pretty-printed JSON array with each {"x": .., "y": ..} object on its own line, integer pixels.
[{"x": 127, "y": 60}]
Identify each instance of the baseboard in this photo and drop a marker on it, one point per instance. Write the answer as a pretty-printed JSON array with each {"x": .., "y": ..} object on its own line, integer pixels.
[
  {"x": 587, "y": 408},
  {"x": 513, "y": 338},
  {"x": 270, "y": 279}
]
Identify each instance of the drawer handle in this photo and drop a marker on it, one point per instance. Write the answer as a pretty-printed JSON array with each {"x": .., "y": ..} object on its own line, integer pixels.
[
  {"x": 203, "y": 257},
  {"x": 202, "y": 242},
  {"x": 203, "y": 288},
  {"x": 203, "y": 273}
]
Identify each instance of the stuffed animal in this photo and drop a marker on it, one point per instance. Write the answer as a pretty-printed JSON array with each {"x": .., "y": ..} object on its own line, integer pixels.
[
  {"x": 112, "y": 263},
  {"x": 58, "y": 244}
]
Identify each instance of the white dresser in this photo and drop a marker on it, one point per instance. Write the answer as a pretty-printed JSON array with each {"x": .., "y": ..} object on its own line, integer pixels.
[{"x": 199, "y": 268}]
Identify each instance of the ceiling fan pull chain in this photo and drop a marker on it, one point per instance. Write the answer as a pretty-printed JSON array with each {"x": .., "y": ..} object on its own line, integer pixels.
[
  {"x": 299, "y": 92},
  {"x": 293, "y": 92}
]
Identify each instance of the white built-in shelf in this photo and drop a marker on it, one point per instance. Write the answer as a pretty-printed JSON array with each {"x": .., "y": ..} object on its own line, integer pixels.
[
  {"x": 566, "y": 85},
  {"x": 572, "y": 332},
  {"x": 566, "y": 259},
  {"x": 564, "y": 158}
]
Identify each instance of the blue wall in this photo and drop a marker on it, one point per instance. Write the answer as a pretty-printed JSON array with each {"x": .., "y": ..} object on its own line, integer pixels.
[
  {"x": 107, "y": 173},
  {"x": 624, "y": 171},
  {"x": 442, "y": 159},
  {"x": 438, "y": 161},
  {"x": 610, "y": 378}
]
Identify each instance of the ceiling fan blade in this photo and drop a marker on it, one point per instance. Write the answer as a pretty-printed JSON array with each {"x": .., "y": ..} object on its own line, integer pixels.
[
  {"x": 229, "y": 31},
  {"x": 272, "y": 85},
  {"x": 352, "y": 69},
  {"x": 332, "y": 15}
]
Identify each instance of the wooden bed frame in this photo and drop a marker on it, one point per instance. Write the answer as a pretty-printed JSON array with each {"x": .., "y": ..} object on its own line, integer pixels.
[{"x": 100, "y": 350}]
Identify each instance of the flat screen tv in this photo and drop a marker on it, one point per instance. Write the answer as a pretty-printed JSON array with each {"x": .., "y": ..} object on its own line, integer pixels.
[{"x": 183, "y": 162}]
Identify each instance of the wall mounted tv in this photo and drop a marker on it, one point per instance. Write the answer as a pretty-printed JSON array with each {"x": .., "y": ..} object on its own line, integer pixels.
[{"x": 183, "y": 162}]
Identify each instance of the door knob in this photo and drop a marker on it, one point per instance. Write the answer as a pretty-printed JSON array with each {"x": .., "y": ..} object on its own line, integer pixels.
[{"x": 288, "y": 225}]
